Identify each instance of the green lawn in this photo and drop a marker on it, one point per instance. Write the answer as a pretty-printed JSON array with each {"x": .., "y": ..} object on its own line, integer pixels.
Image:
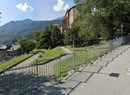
[
  {"x": 13, "y": 61},
  {"x": 16, "y": 60},
  {"x": 82, "y": 56},
  {"x": 49, "y": 54}
]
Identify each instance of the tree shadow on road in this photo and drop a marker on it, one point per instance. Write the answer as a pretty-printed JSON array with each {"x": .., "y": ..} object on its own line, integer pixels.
[{"x": 27, "y": 84}]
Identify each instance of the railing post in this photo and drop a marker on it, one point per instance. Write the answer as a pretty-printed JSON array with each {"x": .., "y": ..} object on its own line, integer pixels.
[
  {"x": 37, "y": 67},
  {"x": 37, "y": 74},
  {"x": 93, "y": 52},
  {"x": 73, "y": 36},
  {"x": 100, "y": 50},
  {"x": 85, "y": 55},
  {"x": 85, "y": 51},
  {"x": 60, "y": 67},
  {"x": 4, "y": 72},
  {"x": 73, "y": 56},
  {"x": 110, "y": 44}
]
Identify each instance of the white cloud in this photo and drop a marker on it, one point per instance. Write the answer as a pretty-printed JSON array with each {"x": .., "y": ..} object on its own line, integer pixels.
[
  {"x": 66, "y": 7},
  {"x": 61, "y": 5},
  {"x": 24, "y": 7}
]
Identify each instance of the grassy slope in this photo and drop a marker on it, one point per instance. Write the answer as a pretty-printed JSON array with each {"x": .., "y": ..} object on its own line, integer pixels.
[
  {"x": 16, "y": 60},
  {"x": 81, "y": 57},
  {"x": 49, "y": 54},
  {"x": 13, "y": 61}
]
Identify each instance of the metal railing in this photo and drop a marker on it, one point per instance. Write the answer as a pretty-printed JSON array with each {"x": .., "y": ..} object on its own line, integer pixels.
[{"x": 88, "y": 54}]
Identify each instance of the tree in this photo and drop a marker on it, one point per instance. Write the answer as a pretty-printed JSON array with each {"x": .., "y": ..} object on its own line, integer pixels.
[
  {"x": 109, "y": 14},
  {"x": 50, "y": 37},
  {"x": 26, "y": 44},
  {"x": 68, "y": 36},
  {"x": 56, "y": 37},
  {"x": 37, "y": 35},
  {"x": 86, "y": 26},
  {"x": 45, "y": 39}
]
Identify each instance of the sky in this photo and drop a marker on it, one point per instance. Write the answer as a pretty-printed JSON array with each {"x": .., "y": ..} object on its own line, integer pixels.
[{"x": 12, "y": 10}]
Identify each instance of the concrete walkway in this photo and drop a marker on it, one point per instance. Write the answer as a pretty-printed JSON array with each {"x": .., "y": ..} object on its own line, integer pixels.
[
  {"x": 106, "y": 77},
  {"x": 109, "y": 75},
  {"x": 66, "y": 50},
  {"x": 110, "y": 80},
  {"x": 28, "y": 61}
]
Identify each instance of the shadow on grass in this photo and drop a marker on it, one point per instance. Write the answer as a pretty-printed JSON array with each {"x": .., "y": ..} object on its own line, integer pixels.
[{"x": 27, "y": 84}]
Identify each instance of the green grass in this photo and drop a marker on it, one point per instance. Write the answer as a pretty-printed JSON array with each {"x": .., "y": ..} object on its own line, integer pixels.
[
  {"x": 49, "y": 54},
  {"x": 13, "y": 61},
  {"x": 81, "y": 57}
]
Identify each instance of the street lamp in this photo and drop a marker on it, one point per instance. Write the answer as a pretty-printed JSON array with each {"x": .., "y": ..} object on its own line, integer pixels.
[{"x": 73, "y": 36}]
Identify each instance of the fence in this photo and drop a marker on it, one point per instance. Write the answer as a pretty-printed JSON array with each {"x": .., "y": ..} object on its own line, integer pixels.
[
  {"x": 29, "y": 80},
  {"x": 87, "y": 55}
]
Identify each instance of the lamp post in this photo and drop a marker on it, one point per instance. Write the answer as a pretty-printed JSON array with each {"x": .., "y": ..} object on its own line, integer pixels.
[{"x": 73, "y": 38}]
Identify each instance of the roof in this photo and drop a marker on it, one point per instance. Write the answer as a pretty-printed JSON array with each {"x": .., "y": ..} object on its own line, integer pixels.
[
  {"x": 3, "y": 47},
  {"x": 14, "y": 47},
  {"x": 68, "y": 11}
]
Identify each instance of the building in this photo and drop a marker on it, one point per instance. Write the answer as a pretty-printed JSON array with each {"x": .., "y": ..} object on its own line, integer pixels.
[
  {"x": 3, "y": 47},
  {"x": 68, "y": 18},
  {"x": 9, "y": 51}
]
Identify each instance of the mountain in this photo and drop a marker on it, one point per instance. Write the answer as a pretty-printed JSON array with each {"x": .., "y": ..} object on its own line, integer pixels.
[{"x": 23, "y": 28}]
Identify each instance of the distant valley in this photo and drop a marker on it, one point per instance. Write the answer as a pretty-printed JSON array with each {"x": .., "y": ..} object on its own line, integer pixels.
[{"x": 24, "y": 28}]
